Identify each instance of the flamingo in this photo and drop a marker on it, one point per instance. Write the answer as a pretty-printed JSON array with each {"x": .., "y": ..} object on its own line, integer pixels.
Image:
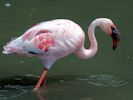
[{"x": 52, "y": 40}]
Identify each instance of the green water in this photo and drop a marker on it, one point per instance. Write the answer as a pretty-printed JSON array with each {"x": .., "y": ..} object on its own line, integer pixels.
[{"x": 107, "y": 76}]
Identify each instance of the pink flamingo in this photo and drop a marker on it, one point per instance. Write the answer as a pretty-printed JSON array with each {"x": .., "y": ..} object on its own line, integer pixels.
[{"x": 52, "y": 40}]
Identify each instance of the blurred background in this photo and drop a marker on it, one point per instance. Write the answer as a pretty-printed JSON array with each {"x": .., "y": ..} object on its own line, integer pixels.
[{"x": 107, "y": 76}]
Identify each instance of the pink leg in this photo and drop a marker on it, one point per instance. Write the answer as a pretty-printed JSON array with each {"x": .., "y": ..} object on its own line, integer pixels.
[
  {"x": 41, "y": 79},
  {"x": 44, "y": 80}
]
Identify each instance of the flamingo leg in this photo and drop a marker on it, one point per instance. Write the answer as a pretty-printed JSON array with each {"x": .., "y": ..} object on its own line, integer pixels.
[{"x": 42, "y": 78}]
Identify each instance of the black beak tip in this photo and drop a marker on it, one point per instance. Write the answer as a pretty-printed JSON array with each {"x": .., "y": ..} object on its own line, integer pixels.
[{"x": 116, "y": 37}]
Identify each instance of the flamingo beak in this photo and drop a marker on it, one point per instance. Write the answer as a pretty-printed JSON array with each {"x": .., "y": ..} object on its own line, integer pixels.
[{"x": 116, "y": 37}]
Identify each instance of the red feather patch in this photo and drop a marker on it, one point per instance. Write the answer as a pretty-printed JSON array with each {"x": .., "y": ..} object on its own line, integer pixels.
[{"x": 44, "y": 41}]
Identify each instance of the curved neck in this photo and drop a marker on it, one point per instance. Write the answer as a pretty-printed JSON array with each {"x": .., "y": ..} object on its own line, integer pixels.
[
  {"x": 88, "y": 53},
  {"x": 92, "y": 38}
]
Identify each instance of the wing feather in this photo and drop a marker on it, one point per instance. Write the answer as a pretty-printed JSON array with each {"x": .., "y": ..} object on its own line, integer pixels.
[{"x": 43, "y": 41}]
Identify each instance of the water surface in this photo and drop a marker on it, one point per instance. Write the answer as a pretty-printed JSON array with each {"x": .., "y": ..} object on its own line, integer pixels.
[{"x": 108, "y": 76}]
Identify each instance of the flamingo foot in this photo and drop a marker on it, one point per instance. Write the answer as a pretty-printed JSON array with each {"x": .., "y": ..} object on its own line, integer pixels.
[{"x": 42, "y": 78}]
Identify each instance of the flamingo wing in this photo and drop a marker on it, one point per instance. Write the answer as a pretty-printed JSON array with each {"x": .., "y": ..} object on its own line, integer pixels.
[
  {"x": 39, "y": 40},
  {"x": 43, "y": 41}
]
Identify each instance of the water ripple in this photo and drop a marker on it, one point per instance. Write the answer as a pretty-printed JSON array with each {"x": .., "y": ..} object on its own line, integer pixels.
[
  {"x": 13, "y": 91},
  {"x": 103, "y": 80},
  {"x": 17, "y": 86}
]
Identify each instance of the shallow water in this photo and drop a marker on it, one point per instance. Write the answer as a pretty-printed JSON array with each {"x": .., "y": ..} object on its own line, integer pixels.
[
  {"x": 60, "y": 87},
  {"x": 107, "y": 76}
]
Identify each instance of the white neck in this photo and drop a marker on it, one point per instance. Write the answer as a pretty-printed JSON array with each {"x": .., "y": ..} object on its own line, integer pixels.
[{"x": 88, "y": 53}]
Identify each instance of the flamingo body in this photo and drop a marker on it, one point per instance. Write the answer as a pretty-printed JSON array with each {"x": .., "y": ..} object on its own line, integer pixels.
[
  {"x": 52, "y": 40},
  {"x": 49, "y": 41}
]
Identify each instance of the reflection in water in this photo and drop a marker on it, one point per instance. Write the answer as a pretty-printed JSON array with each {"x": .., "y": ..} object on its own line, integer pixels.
[
  {"x": 18, "y": 86},
  {"x": 42, "y": 93}
]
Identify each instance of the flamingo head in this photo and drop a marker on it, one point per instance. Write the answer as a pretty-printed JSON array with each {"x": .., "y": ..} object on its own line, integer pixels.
[{"x": 109, "y": 27}]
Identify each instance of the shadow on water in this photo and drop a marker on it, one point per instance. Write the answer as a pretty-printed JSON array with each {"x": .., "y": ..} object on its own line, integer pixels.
[{"x": 17, "y": 86}]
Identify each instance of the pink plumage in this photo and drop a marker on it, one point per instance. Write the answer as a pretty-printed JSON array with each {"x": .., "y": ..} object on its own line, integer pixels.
[{"x": 52, "y": 40}]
